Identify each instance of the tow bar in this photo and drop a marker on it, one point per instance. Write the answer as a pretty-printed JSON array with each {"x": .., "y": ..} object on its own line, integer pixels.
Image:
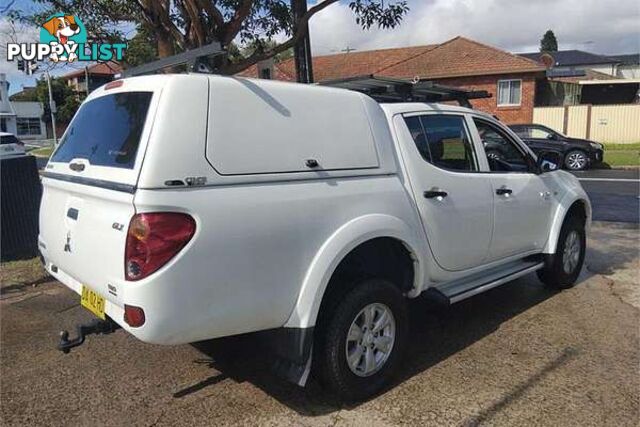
[{"x": 95, "y": 327}]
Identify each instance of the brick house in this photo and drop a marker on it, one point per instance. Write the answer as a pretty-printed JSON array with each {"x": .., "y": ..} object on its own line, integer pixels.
[
  {"x": 459, "y": 62},
  {"x": 98, "y": 74}
]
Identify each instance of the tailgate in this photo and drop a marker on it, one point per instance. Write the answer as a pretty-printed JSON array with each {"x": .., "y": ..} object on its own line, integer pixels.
[
  {"x": 90, "y": 180},
  {"x": 83, "y": 232}
]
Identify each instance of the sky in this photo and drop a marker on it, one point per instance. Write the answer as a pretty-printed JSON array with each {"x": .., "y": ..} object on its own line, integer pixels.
[{"x": 598, "y": 26}]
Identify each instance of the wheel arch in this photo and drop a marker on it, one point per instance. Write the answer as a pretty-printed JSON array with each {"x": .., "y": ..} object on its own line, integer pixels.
[
  {"x": 339, "y": 246},
  {"x": 571, "y": 205}
]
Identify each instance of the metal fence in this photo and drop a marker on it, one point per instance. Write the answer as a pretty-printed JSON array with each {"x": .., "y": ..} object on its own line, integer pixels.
[
  {"x": 602, "y": 123},
  {"x": 20, "y": 200}
]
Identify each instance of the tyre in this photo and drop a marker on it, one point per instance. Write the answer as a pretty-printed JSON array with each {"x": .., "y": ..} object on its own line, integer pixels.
[
  {"x": 361, "y": 340},
  {"x": 576, "y": 160},
  {"x": 562, "y": 269}
]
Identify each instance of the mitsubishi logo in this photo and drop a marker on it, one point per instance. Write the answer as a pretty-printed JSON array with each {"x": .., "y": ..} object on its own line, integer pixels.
[{"x": 67, "y": 246}]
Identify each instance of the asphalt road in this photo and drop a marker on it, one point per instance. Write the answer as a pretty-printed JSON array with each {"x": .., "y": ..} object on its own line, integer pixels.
[
  {"x": 614, "y": 194},
  {"x": 520, "y": 354}
]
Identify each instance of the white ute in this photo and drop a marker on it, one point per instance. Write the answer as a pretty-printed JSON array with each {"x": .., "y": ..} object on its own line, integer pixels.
[{"x": 190, "y": 207}]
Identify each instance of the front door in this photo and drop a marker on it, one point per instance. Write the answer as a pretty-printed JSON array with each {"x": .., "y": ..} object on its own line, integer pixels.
[
  {"x": 454, "y": 201},
  {"x": 522, "y": 200}
]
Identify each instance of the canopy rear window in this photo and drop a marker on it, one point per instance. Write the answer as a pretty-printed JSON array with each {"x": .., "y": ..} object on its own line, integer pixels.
[{"x": 106, "y": 131}]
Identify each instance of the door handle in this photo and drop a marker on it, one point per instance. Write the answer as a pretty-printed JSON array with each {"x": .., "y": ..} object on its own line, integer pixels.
[
  {"x": 504, "y": 191},
  {"x": 432, "y": 194},
  {"x": 76, "y": 167}
]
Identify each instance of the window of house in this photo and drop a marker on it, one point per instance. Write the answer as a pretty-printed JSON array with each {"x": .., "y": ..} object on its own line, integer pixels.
[
  {"x": 3, "y": 125},
  {"x": 28, "y": 126},
  {"x": 443, "y": 141},
  {"x": 265, "y": 73},
  {"x": 509, "y": 92}
]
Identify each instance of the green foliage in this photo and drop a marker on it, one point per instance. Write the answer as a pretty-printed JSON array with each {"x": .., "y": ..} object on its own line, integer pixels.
[
  {"x": 165, "y": 27},
  {"x": 141, "y": 48},
  {"x": 548, "y": 42},
  {"x": 66, "y": 100}
]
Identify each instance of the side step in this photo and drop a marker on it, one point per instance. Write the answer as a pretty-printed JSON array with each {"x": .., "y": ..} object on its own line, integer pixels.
[{"x": 468, "y": 287}]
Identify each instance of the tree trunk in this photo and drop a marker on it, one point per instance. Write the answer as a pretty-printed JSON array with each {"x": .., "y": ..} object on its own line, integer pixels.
[{"x": 165, "y": 45}]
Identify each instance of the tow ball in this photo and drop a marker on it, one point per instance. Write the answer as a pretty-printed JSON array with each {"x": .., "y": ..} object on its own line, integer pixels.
[{"x": 97, "y": 326}]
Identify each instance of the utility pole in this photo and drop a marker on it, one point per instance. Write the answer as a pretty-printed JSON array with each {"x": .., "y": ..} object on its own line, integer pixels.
[
  {"x": 348, "y": 49},
  {"x": 86, "y": 78},
  {"x": 52, "y": 109},
  {"x": 302, "y": 49}
]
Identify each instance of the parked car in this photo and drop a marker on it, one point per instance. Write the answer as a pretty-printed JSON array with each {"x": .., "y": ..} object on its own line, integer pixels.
[
  {"x": 10, "y": 146},
  {"x": 190, "y": 207},
  {"x": 578, "y": 153}
]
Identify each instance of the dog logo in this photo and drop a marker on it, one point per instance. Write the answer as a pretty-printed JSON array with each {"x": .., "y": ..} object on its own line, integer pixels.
[
  {"x": 63, "y": 38},
  {"x": 66, "y": 31}
]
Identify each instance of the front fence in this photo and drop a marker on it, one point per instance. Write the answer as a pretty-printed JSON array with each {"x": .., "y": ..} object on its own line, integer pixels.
[{"x": 601, "y": 123}]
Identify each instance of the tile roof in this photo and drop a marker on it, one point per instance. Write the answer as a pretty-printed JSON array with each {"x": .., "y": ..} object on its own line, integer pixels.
[
  {"x": 103, "y": 68},
  {"x": 587, "y": 75},
  {"x": 627, "y": 59},
  {"x": 461, "y": 57},
  {"x": 571, "y": 57},
  {"x": 457, "y": 57}
]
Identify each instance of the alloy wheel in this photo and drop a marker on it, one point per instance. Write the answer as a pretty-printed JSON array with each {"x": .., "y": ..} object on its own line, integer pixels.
[{"x": 370, "y": 339}]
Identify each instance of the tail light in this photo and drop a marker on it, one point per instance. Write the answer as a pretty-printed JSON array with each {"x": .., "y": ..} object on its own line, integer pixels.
[{"x": 153, "y": 239}]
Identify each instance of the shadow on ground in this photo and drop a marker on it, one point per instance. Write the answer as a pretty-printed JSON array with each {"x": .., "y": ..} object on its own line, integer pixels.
[{"x": 437, "y": 332}]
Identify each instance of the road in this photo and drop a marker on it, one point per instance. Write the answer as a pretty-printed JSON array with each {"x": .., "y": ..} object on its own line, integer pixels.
[
  {"x": 520, "y": 354},
  {"x": 614, "y": 194}
]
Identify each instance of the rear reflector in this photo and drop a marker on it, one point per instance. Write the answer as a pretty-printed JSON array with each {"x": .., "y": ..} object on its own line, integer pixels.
[
  {"x": 133, "y": 316},
  {"x": 153, "y": 239}
]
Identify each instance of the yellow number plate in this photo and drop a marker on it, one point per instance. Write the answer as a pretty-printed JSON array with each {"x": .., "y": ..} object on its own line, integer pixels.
[{"x": 92, "y": 302}]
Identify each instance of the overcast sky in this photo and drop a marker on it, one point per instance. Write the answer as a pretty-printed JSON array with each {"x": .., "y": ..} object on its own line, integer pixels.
[{"x": 599, "y": 26}]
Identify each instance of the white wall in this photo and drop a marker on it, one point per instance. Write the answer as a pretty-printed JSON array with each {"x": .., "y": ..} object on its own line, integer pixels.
[
  {"x": 32, "y": 110},
  {"x": 629, "y": 71}
]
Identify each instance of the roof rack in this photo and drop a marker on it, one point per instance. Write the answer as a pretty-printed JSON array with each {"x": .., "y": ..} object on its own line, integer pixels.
[
  {"x": 386, "y": 89},
  {"x": 195, "y": 58}
]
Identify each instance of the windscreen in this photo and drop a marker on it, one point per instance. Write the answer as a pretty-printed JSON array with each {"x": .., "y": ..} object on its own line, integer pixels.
[{"x": 106, "y": 131}]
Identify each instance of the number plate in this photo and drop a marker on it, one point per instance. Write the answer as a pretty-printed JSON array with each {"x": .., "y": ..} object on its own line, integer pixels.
[{"x": 92, "y": 301}]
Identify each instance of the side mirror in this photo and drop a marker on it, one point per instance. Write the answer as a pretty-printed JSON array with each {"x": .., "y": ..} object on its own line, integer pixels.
[
  {"x": 552, "y": 136},
  {"x": 549, "y": 161}
]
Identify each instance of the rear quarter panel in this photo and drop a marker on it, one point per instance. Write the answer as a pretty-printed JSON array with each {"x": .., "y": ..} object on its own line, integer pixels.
[{"x": 244, "y": 269}]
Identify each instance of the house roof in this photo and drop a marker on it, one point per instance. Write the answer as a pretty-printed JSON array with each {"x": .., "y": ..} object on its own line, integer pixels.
[
  {"x": 585, "y": 75},
  {"x": 455, "y": 58},
  {"x": 627, "y": 59},
  {"x": 565, "y": 58},
  {"x": 461, "y": 57},
  {"x": 103, "y": 68}
]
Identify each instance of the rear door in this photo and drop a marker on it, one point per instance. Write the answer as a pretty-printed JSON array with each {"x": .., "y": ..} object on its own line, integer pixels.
[
  {"x": 453, "y": 198},
  {"x": 89, "y": 184}
]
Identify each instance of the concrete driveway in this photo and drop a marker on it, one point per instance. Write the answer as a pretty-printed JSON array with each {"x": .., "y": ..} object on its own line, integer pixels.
[{"x": 518, "y": 355}]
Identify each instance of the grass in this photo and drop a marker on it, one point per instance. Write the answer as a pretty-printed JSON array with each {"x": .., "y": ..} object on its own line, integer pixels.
[
  {"x": 42, "y": 152},
  {"x": 622, "y": 154},
  {"x": 21, "y": 273}
]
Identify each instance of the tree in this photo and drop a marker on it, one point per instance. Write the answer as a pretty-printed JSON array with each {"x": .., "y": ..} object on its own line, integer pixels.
[
  {"x": 65, "y": 98},
  {"x": 548, "y": 42},
  {"x": 178, "y": 25}
]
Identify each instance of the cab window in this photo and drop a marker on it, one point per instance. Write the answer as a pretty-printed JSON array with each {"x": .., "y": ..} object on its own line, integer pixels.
[
  {"x": 443, "y": 141},
  {"x": 503, "y": 154}
]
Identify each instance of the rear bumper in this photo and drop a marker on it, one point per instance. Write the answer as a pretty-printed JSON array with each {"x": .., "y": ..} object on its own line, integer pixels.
[{"x": 115, "y": 312}]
